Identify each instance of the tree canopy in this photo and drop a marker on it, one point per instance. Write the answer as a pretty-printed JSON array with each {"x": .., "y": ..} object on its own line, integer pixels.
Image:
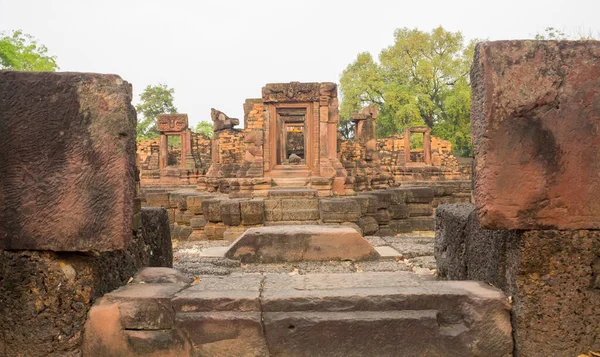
[
  {"x": 205, "y": 128},
  {"x": 22, "y": 52},
  {"x": 421, "y": 79},
  {"x": 154, "y": 100}
]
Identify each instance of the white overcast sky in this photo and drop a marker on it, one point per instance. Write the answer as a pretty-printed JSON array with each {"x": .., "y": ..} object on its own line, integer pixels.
[{"x": 218, "y": 53}]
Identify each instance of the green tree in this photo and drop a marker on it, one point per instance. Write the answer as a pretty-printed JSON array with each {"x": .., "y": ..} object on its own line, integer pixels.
[
  {"x": 22, "y": 52},
  {"x": 421, "y": 79},
  {"x": 551, "y": 33},
  {"x": 154, "y": 100},
  {"x": 205, "y": 128}
]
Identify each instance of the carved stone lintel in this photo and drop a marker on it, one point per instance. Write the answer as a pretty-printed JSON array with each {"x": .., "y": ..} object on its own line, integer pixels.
[
  {"x": 170, "y": 123},
  {"x": 291, "y": 92}
]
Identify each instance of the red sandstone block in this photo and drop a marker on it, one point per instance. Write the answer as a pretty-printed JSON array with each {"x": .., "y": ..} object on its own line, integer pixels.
[
  {"x": 67, "y": 154},
  {"x": 535, "y": 120}
]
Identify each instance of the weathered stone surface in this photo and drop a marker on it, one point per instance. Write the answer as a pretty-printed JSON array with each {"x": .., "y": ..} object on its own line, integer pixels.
[
  {"x": 552, "y": 277},
  {"x": 449, "y": 248},
  {"x": 212, "y": 210},
  {"x": 339, "y": 210},
  {"x": 234, "y": 293},
  {"x": 198, "y": 222},
  {"x": 214, "y": 230},
  {"x": 292, "y": 209},
  {"x": 420, "y": 209},
  {"x": 68, "y": 161},
  {"x": 194, "y": 203},
  {"x": 157, "y": 199},
  {"x": 253, "y": 211},
  {"x": 399, "y": 211},
  {"x": 382, "y": 216},
  {"x": 156, "y": 235},
  {"x": 452, "y": 319},
  {"x": 145, "y": 306},
  {"x": 230, "y": 212},
  {"x": 368, "y": 225},
  {"x": 536, "y": 143},
  {"x": 224, "y": 333},
  {"x": 104, "y": 337},
  {"x": 155, "y": 275},
  {"x": 297, "y": 243},
  {"x": 293, "y": 193},
  {"x": 46, "y": 296}
]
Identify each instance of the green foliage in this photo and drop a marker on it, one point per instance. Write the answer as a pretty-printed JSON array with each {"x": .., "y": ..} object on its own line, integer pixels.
[
  {"x": 419, "y": 80},
  {"x": 154, "y": 100},
  {"x": 22, "y": 52},
  {"x": 551, "y": 33},
  {"x": 205, "y": 128}
]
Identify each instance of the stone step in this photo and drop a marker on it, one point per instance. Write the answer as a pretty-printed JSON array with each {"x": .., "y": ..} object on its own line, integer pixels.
[{"x": 361, "y": 314}]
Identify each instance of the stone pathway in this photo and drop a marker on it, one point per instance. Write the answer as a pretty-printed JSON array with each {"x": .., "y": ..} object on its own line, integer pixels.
[{"x": 411, "y": 252}]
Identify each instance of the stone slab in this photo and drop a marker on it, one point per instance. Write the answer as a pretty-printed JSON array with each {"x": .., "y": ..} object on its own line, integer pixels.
[
  {"x": 387, "y": 252},
  {"x": 68, "y": 161},
  {"x": 213, "y": 293},
  {"x": 215, "y": 252},
  {"x": 297, "y": 243},
  {"x": 536, "y": 139}
]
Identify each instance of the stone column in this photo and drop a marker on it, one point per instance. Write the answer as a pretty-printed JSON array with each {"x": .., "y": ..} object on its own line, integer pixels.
[{"x": 163, "y": 151}]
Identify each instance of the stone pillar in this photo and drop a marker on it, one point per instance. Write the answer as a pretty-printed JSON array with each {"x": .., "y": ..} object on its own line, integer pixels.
[{"x": 163, "y": 151}]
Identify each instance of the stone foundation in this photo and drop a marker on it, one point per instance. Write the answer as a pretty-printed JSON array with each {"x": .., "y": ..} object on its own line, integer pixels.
[
  {"x": 199, "y": 216},
  {"x": 551, "y": 277}
]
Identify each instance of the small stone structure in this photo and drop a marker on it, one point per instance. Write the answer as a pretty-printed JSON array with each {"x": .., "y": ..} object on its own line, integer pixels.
[
  {"x": 169, "y": 165},
  {"x": 70, "y": 228},
  {"x": 533, "y": 232}
]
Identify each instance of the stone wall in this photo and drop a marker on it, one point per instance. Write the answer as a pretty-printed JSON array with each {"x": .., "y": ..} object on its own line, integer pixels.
[
  {"x": 199, "y": 216},
  {"x": 70, "y": 229},
  {"x": 533, "y": 232}
]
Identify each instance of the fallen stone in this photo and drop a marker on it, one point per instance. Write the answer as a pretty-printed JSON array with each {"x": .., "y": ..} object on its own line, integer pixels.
[
  {"x": 368, "y": 225},
  {"x": 296, "y": 243},
  {"x": 230, "y": 212}
]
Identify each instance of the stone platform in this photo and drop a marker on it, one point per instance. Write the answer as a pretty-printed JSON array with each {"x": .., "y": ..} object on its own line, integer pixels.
[{"x": 367, "y": 314}]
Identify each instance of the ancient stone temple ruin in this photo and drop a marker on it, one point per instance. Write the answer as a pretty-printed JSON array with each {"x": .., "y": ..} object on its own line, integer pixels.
[{"x": 270, "y": 264}]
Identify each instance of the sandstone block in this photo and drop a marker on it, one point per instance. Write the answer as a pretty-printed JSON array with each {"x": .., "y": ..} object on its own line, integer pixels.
[
  {"x": 156, "y": 235},
  {"x": 224, "y": 333},
  {"x": 382, "y": 216},
  {"x": 297, "y": 243},
  {"x": 194, "y": 203},
  {"x": 198, "y": 222},
  {"x": 420, "y": 209},
  {"x": 230, "y": 212},
  {"x": 145, "y": 306},
  {"x": 339, "y": 210},
  {"x": 155, "y": 275},
  {"x": 536, "y": 143},
  {"x": 212, "y": 210},
  {"x": 68, "y": 161},
  {"x": 368, "y": 225},
  {"x": 399, "y": 211},
  {"x": 157, "y": 199},
  {"x": 252, "y": 211},
  {"x": 232, "y": 293}
]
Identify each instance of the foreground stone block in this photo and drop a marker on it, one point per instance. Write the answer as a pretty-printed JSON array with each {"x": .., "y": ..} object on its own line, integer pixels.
[
  {"x": 253, "y": 211},
  {"x": 383, "y": 314},
  {"x": 552, "y": 277},
  {"x": 46, "y": 296},
  {"x": 299, "y": 243},
  {"x": 535, "y": 113},
  {"x": 68, "y": 161}
]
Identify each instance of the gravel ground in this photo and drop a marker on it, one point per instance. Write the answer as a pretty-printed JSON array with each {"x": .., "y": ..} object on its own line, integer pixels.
[{"x": 416, "y": 248}]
